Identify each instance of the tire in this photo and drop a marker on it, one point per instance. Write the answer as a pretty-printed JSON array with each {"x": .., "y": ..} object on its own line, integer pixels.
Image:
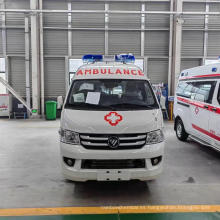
[{"x": 180, "y": 131}]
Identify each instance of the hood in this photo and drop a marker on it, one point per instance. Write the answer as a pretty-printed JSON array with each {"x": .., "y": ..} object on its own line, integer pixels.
[{"x": 108, "y": 122}]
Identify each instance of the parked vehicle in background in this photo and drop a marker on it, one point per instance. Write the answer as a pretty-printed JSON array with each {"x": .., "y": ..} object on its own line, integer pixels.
[
  {"x": 111, "y": 123},
  {"x": 197, "y": 105}
]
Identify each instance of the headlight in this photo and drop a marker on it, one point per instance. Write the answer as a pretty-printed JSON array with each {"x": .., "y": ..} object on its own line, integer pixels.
[
  {"x": 69, "y": 137},
  {"x": 154, "y": 137}
]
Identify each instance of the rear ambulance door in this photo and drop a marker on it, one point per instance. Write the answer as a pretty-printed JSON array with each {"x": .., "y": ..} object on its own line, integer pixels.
[
  {"x": 214, "y": 122},
  {"x": 202, "y": 94}
]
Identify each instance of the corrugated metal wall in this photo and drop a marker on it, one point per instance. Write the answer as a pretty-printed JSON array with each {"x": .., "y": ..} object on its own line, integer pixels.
[
  {"x": 157, "y": 70},
  {"x": 192, "y": 35},
  {"x": 156, "y": 46},
  {"x": 17, "y": 74}
]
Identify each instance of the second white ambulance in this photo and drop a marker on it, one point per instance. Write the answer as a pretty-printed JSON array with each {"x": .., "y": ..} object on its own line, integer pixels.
[
  {"x": 111, "y": 124},
  {"x": 197, "y": 105}
]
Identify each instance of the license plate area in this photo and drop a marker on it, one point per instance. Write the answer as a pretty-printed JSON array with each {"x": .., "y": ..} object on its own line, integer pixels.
[{"x": 113, "y": 175}]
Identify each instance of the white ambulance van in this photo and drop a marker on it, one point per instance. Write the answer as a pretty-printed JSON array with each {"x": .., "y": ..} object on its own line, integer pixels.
[
  {"x": 111, "y": 123},
  {"x": 197, "y": 105}
]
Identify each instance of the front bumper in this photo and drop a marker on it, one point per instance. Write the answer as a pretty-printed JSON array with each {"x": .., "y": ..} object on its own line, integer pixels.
[{"x": 79, "y": 153}]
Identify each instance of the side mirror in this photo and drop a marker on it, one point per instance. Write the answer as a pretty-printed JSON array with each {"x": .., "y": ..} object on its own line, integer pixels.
[{"x": 59, "y": 102}]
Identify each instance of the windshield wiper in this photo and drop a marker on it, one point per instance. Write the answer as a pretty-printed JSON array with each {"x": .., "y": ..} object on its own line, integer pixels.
[
  {"x": 88, "y": 106},
  {"x": 132, "y": 105}
]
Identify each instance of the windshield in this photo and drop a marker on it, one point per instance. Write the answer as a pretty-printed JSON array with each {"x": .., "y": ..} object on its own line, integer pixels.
[{"x": 111, "y": 94}]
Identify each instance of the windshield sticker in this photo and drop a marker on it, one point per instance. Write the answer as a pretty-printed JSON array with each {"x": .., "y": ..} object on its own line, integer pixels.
[
  {"x": 79, "y": 97},
  {"x": 132, "y": 72},
  {"x": 93, "y": 98},
  {"x": 113, "y": 118},
  {"x": 86, "y": 86}
]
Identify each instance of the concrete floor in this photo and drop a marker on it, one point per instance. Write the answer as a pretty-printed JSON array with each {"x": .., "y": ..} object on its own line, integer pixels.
[{"x": 30, "y": 173}]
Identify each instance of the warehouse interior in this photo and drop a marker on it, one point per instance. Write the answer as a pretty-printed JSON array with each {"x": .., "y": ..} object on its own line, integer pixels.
[{"x": 42, "y": 43}]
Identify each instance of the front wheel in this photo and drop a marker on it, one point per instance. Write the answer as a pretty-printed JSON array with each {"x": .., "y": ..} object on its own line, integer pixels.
[{"x": 180, "y": 131}]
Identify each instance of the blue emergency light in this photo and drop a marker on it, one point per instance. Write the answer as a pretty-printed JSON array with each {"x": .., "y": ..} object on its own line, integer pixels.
[
  {"x": 90, "y": 58},
  {"x": 124, "y": 58}
]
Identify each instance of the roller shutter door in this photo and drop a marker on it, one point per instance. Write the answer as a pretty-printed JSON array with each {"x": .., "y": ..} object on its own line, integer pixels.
[
  {"x": 15, "y": 19},
  {"x": 85, "y": 42},
  {"x": 54, "y": 77},
  {"x": 125, "y": 42},
  {"x": 55, "y": 19},
  {"x": 186, "y": 63},
  {"x": 214, "y": 21},
  {"x": 55, "y": 42},
  {"x": 190, "y": 21},
  {"x": 192, "y": 43},
  {"x": 158, "y": 70},
  {"x": 15, "y": 41},
  {"x": 125, "y": 20},
  {"x": 214, "y": 43},
  {"x": 157, "y": 21},
  {"x": 156, "y": 43},
  {"x": 88, "y": 20},
  {"x": 17, "y": 74}
]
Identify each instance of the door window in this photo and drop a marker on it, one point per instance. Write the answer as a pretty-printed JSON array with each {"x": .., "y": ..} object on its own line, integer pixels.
[{"x": 203, "y": 91}]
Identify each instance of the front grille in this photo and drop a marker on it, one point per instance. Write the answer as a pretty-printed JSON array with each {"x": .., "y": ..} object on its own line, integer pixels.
[
  {"x": 100, "y": 141},
  {"x": 113, "y": 164}
]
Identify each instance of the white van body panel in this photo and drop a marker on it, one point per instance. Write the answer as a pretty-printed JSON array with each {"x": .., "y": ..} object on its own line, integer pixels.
[
  {"x": 201, "y": 119},
  {"x": 92, "y": 122}
]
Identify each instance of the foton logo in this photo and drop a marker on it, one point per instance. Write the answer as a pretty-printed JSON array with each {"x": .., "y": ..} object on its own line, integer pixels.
[{"x": 113, "y": 118}]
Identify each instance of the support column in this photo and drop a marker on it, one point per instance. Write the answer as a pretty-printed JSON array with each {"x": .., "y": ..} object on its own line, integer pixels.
[
  {"x": 106, "y": 27},
  {"x": 27, "y": 61},
  {"x": 142, "y": 29},
  {"x": 177, "y": 45},
  {"x": 35, "y": 59},
  {"x": 4, "y": 38},
  {"x": 170, "y": 50},
  {"x": 205, "y": 42},
  {"x": 69, "y": 30},
  {"x": 41, "y": 58}
]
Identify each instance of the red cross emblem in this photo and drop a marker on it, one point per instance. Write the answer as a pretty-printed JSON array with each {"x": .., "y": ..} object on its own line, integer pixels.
[
  {"x": 113, "y": 118},
  {"x": 197, "y": 110}
]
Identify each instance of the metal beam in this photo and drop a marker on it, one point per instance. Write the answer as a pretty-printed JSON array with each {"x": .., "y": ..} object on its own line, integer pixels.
[
  {"x": 178, "y": 13},
  {"x": 35, "y": 59}
]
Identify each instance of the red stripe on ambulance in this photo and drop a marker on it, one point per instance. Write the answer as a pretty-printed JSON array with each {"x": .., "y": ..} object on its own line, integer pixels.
[
  {"x": 200, "y": 105},
  {"x": 201, "y": 76},
  {"x": 206, "y": 132}
]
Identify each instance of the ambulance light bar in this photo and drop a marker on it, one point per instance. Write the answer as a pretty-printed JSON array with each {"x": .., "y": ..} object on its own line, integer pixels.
[{"x": 124, "y": 58}]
